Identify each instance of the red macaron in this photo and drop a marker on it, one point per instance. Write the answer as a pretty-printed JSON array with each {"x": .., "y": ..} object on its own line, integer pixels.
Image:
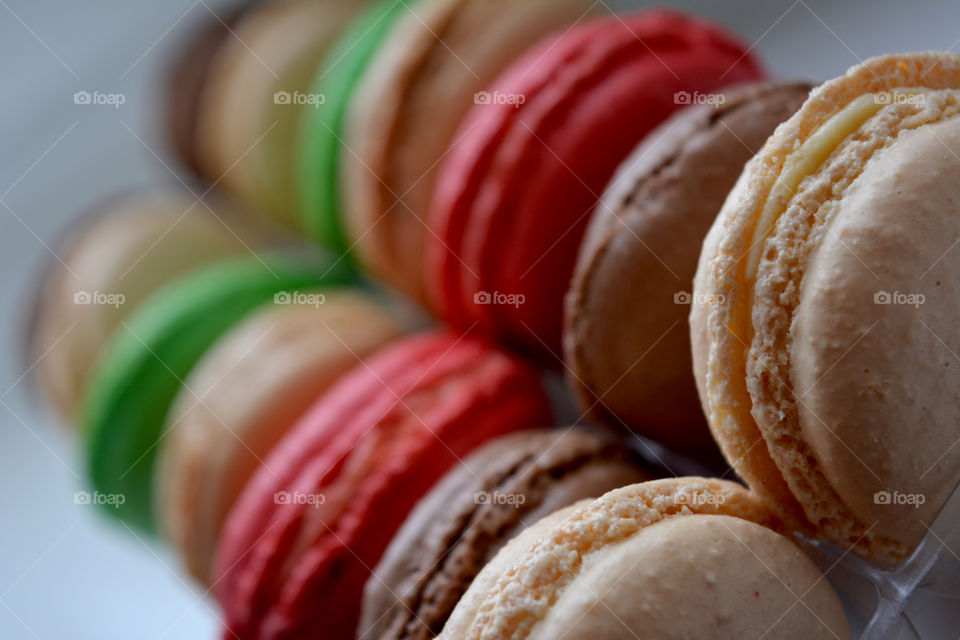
[
  {"x": 517, "y": 189},
  {"x": 302, "y": 539}
]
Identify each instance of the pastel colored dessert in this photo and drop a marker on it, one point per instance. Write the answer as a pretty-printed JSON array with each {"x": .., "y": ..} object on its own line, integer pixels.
[
  {"x": 480, "y": 504},
  {"x": 516, "y": 190},
  {"x": 244, "y": 395},
  {"x": 626, "y": 338},
  {"x": 258, "y": 86},
  {"x": 825, "y": 346},
  {"x": 143, "y": 368},
  {"x": 110, "y": 261},
  {"x": 306, "y": 532},
  {"x": 406, "y": 109},
  {"x": 188, "y": 74},
  {"x": 669, "y": 559},
  {"x": 321, "y": 150}
]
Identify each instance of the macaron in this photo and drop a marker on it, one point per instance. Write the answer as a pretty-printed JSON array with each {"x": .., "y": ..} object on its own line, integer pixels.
[
  {"x": 667, "y": 559},
  {"x": 244, "y": 394},
  {"x": 517, "y": 188},
  {"x": 306, "y": 532},
  {"x": 257, "y": 87},
  {"x": 143, "y": 368},
  {"x": 825, "y": 328},
  {"x": 186, "y": 76},
  {"x": 626, "y": 339},
  {"x": 110, "y": 261},
  {"x": 429, "y": 70},
  {"x": 321, "y": 149},
  {"x": 480, "y": 504}
]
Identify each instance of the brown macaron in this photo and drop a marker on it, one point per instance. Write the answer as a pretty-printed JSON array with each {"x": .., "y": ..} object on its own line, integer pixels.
[
  {"x": 494, "y": 494},
  {"x": 626, "y": 340}
]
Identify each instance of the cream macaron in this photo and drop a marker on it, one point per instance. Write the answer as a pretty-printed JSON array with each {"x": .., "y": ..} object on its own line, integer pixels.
[
  {"x": 257, "y": 87},
  {"x": 667, "y": 559},
  {"x": 404, "y": 115},
  {"x": 243, "y": 396},
  {"x": 826, "y": 323},
  {"x": 130, "y": 247}
]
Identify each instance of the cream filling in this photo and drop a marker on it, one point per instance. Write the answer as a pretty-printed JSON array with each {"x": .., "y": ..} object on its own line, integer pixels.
[{"x": 809, "y": 157}]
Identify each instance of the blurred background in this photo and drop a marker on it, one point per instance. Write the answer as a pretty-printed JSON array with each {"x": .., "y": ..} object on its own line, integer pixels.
[{"x": 65, "y": 571}]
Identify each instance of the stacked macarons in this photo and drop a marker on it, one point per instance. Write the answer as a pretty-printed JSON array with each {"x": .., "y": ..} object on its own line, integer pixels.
[{"x": 528, "y": 172}]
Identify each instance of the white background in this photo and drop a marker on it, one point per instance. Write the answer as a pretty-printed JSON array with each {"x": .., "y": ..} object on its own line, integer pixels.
[{"x": 65, "y": 572}]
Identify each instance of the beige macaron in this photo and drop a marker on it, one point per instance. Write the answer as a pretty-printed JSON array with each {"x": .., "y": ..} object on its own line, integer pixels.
[
  {"x": 668, "y": 559},
  {"x": 826, "y": 322},
  {"x": 406, "y": 110},
  {"x": 129, "y": 248},
  {"x": 257, "y": 86},
  {"x": 243, "y": 396}
]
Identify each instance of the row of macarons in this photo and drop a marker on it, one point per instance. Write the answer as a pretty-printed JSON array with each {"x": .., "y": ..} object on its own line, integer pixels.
[
  {"x": 458, "y": 150},
  {"x": 324, "y": 475},
  {"x": 324, "y": 467},
  {"x": 656, "y": 209}
]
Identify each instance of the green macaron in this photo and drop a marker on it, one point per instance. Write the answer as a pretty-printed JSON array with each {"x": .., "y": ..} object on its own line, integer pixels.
[
  {"x": 144, "y": 366},
  {"x": 323, "y": 128}
]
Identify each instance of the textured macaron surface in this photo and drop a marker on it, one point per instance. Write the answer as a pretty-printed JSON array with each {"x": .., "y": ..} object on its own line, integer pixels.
[
  {"x": 517, "y": 189},
  {"x": 677, "y": 558},
  {"x": 496, "y": 492},
  {"x": 303, "y": 537},
  {"x": 831, "y": 261},
  {"x": 626, "y": 338},
  {"x": 247, "y": 391},
  {"x": 144, "y": 366},
  {"x": 428, "y": 72}
]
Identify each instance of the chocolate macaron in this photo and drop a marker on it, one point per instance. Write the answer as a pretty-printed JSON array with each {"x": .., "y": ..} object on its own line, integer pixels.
[
  {"x": 626, "y": 340},
  {"x": 483, "y": 502}
]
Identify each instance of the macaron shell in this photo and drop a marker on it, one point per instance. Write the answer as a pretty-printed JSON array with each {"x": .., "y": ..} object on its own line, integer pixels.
[
  {"x": 440, "y": 52},
  {"x": 247, "y": 136},
  {"x": 290, "y": 569},
  {"x": 526, "y": 592},
  {"x": 459, "y": 525},
  {"x": 639, "y": 254},
  {"x": 466, "y": 611},
  {"x": 247, "y": 391},
  {"x": 728, "y": 327},
  {"x": 132, "y": 248},
  {"x": 892, "y": 413},
  {"x": 697, "y": 576},
  {"x": 322, "y": 129},
  {"x": 143, "y": 369},
  {"x": 590, "y": 96}
]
